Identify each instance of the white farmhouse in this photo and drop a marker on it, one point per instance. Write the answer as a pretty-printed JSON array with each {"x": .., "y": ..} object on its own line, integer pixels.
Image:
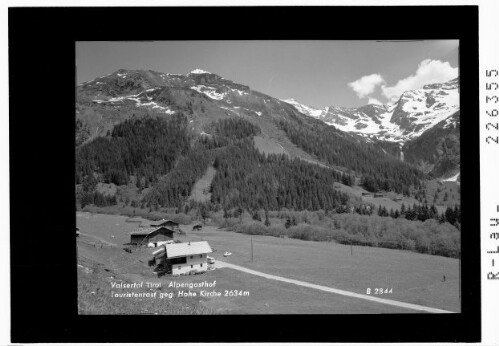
[{"x": 184, "y": 258}]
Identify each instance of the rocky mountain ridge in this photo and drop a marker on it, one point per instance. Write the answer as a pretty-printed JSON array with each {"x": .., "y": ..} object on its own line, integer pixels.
[
  {"x": 415, "y": 112},
  {"x": 421, "y": 128},
  {"x": 204, "y": 98}
]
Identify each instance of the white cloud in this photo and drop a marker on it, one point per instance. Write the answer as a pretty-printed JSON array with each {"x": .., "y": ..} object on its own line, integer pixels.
[
  {"x": 373, "y": 101},
  {"x": 428, "y": 72},
  {"x": 365, "y": 86}
]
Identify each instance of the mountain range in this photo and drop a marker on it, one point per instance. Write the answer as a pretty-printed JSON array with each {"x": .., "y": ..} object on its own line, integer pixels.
[
  {"x": 421, "y": 128},
  {"x": 423, "y": 122},
  {"x": 415, "y": 112}
]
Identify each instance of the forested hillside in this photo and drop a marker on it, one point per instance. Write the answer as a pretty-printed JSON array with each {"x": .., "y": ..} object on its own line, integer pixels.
[
  {"x": 247, "y": 178},
  {"x": 173, "y": 189},
  {"x": 158, "y": 151},
  {"x": 142, "y": 147},
  {"x": 437, "y": 151},
  {"x": 379, "y": 171}
]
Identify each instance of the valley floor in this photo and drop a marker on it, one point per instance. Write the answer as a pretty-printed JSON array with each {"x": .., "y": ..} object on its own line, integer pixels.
[{"x": 414, "y": 278}]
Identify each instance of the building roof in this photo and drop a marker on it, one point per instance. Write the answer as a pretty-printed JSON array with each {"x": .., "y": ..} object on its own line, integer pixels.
[
  {"x": 187, "y": 249},
  {"x": 148, "y": 230},
  {"x": 164, "y": 221},
  {"x": 159, "y": 252}
]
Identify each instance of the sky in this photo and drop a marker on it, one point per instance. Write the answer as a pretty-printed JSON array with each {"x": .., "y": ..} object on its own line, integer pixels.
[{"x": 315, "y": 73}]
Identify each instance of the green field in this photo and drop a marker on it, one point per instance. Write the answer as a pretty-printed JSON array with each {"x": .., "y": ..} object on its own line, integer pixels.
[
  {"x": 95, "y": 295},
  {"x": 415, "y": 278}
]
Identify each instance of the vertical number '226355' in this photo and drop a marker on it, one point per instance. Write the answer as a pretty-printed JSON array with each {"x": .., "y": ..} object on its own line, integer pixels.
[{"x": 494, "y": 112}]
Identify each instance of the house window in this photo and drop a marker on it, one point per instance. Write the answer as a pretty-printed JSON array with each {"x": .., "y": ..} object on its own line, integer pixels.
[
  {"x": 200, "y": 256},
  {"x": 192, "y": 266},
  {"x": 192, "y": 257},
  {"x": 201, "y": 264},
  {"x": 178, "y": 260},
  {"x": 179, "y": 267}
]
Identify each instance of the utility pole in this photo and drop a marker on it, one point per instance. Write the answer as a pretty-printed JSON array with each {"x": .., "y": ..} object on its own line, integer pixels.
[{"x": 251, "y": 249}]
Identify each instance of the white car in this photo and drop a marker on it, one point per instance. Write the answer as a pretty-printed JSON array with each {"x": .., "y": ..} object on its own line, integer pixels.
[
  {"x": 211, "y": 260},
  {"x": 227, "y": 253}
]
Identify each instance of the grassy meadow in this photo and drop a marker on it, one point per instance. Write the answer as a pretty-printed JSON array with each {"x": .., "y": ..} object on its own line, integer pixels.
[{"x": 415, "y": 278}]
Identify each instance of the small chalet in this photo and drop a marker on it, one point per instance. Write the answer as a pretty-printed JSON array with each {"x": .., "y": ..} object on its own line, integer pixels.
[
  {"x": 183, "y": 258},
  {"x": 378, "y": 195},
  {"x": 197, "y": 227},
  {"x": 151, "y": 235},
  {"x": 168, "y": 223},
  {"x": 367, "y": 194}
]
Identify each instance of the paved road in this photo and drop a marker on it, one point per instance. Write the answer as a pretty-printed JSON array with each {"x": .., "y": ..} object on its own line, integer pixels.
[{"x": 221, "y": 264}]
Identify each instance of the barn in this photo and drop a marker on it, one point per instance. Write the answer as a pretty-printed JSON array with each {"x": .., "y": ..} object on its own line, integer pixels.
[
  {"x": 184, "y": 258},
  {"x": 151, "y": 235},
  {"x": 175, "y": 226}
]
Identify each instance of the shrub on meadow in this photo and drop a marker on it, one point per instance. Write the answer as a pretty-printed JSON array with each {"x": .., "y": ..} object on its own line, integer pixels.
[{"x": 229, "y": 223}]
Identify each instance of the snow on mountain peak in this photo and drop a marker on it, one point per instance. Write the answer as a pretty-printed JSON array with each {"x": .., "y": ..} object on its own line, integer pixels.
[
  {"x": 199, "y": 71},
  {"x": 310, "y": 111},
  {"x": 415, "y": 112}
]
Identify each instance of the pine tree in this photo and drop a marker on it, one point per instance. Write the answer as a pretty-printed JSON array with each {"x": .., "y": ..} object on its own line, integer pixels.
[
  {"x": 204, "y": 212},
  {"x": 89, "y": 183},
  {"x": 450, "y": 215},
  {"x": 240, "y": 211},
  {"x": 457, "y": 214},
  {"x": 256, "y": 216},
  {"x": 380, "y": 211},
  {"x": 442, "y": 218},
  {"x": 433, "y": 213},
  {"x": 410, "y": 213},
  {"x": 402, "y": 209},
  {"x": 267, "y": 221}
]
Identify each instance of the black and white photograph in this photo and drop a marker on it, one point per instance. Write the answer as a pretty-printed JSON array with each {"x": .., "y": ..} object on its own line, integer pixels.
[
  {"x": 250, "y": 173},
  {"x": 268, "y": 177}
]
